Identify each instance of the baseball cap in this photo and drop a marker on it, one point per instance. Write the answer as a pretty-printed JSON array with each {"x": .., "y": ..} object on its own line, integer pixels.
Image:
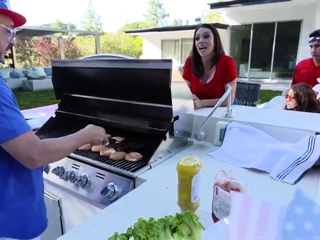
[{"x": 5, "y": 9}]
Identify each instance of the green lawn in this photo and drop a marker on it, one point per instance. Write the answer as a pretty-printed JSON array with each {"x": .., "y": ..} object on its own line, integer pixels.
[
  {"x": 27, "y": 100},
  {"x": 267, "y": 95}
]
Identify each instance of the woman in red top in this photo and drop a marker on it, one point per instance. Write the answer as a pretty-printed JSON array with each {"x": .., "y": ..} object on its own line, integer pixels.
[{"x": 208, "y": 70}]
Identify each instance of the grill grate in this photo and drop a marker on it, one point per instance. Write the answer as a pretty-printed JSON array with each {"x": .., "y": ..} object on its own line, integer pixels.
[
  {"x": 135, "y": 122},
  {"x": 120, "y": 164},
  {"x": 133, "y": 143}
]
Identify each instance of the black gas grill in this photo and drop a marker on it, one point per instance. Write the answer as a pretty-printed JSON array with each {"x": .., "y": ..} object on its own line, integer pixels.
[{"x": 129, "y": 98}]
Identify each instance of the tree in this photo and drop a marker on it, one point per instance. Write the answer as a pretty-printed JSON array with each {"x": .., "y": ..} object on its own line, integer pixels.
[
  {"x": 48, "y": 49},
  {"x": 86, "y": 45},
  {"x": 32, "y": 52},
  {"x": 71, "y": 50},
  {"x": 61, "y": 25},
  {"x": 156, "y": 14},
  {"x": 212, "y": 17},
  {"x": 135, "y": 25},
  {"x": 91, "y": 20},
  {"x": 25, "y": 52},
  {"x": 177, "y": 22},
  {"x": 121, "y": 43}
]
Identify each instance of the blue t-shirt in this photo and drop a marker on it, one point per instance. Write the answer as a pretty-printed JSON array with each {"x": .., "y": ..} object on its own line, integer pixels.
[{"x": 22, "y": 207}]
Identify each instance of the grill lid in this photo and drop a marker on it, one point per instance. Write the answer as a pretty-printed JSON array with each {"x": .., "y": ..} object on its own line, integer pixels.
[
  {"x": 137, "y": 80},
  {"x": 128, "y": 94}
]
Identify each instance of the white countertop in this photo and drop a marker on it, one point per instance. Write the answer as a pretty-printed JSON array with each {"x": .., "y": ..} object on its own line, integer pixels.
[
  {"x": 270, "y": 117},
  {"x": 157, "y": 196}
]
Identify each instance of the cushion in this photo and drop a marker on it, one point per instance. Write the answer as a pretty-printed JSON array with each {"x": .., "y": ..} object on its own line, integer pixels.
[
  {"x": 21, "y": 71},
  {"x": 33, "y": 75},
  {"x": 15, "y": 74},
  {"x": 27, "y": 71},
  {"x": 40, "y": 71},
  {"x": 5, "y": 73},
  {"x": 48, "y": 71}
]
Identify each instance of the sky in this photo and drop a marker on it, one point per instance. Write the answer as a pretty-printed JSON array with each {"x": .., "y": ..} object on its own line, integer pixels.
[{"x": 114, "y": 13}]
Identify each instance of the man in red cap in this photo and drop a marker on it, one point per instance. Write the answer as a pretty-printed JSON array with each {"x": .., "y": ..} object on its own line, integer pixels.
[
  {"x": 23, "y": 154},
  {"x": 308, "y": 70}
]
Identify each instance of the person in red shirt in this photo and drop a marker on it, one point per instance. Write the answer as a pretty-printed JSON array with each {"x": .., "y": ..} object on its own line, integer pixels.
[
  {"x": 308, "y": 70},
  {"x": 208, "y": 70}
]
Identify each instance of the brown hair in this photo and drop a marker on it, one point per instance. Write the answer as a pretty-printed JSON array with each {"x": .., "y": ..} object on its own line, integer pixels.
[
  {"x": 196, "y": 63},
  {"x": 306, "y": 98}
]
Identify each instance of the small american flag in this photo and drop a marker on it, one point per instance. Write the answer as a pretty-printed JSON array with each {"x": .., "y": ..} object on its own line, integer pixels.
[
  {"x": 256, "y": 219},
  {"x": 302, "y": 219}
]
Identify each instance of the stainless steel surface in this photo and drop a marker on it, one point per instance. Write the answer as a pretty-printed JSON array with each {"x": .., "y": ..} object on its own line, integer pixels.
[
  {"x": 88, "y": 182},
  {"x": 201, "y": 134},
  {"x": 101, "y": 184},
  {"x": 168, "y": 149},
  {"x": 76, "y": 209},
  {"x": 229, "y": 113},
  {"x": 182, "y": 104},
  {"x": 56, "y": 227},
  {"x": 114, "y": 63},
  {"x": 104, "y": 56}
]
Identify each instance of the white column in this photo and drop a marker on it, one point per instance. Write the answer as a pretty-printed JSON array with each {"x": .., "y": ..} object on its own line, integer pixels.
[
  {"x": 97, "y": 43},
  {"x": 61, "y": 47}
]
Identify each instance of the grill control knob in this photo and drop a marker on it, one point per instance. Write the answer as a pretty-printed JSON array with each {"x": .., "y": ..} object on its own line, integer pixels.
[
  {"x": 66, "y": 176},
  {"x": 72, "y": 177},
  {"x": 46, "y": 168},
  {"x": 83, "y": 181},
  {"x": 111, "y": 191},
  {"x": 59, "y": 171}
]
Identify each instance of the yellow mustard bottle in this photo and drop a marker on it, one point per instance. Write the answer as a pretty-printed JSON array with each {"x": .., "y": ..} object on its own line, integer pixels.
[{"x": 188, "y": 169}]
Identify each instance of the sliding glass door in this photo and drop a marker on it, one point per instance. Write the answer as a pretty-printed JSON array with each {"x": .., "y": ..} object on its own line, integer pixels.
[
  {"x": 261, "y": 53},
  {"x": 265, "y": 50},
  {"x": 240, "y": 48},
  {"x": 286, "y": 48}
]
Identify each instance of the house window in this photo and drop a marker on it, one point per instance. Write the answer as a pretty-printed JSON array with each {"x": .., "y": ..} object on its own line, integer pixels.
[
  {"x": 171, "y": 50},
  {"x": 186, "y": 47},
  {"x": 176, "y": 49}
]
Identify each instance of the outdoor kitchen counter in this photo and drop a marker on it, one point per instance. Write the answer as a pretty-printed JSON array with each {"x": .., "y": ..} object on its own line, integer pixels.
[{"x": 157, "y": 196}]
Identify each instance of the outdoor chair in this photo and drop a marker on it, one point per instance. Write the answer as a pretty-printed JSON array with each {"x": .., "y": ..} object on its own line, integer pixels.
[{"x": 247, "y": 94}]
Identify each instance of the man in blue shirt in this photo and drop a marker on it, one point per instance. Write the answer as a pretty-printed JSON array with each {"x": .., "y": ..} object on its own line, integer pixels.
[{"x": 23, "y": 154}]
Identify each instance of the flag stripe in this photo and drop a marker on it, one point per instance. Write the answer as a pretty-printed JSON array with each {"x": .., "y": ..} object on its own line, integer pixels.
[
  {"x": 252, "y": 218},
  {"x": 236, "y": 210},
  {"x": 264, "y": 211},
  {"x": 254, "y": 214},
  {"x": 243, "y": 217}
]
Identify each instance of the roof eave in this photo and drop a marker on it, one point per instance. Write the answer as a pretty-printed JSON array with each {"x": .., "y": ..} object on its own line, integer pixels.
[
  {"x": 243, "y": 3},
  {"x": 171, "y": 29}
]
